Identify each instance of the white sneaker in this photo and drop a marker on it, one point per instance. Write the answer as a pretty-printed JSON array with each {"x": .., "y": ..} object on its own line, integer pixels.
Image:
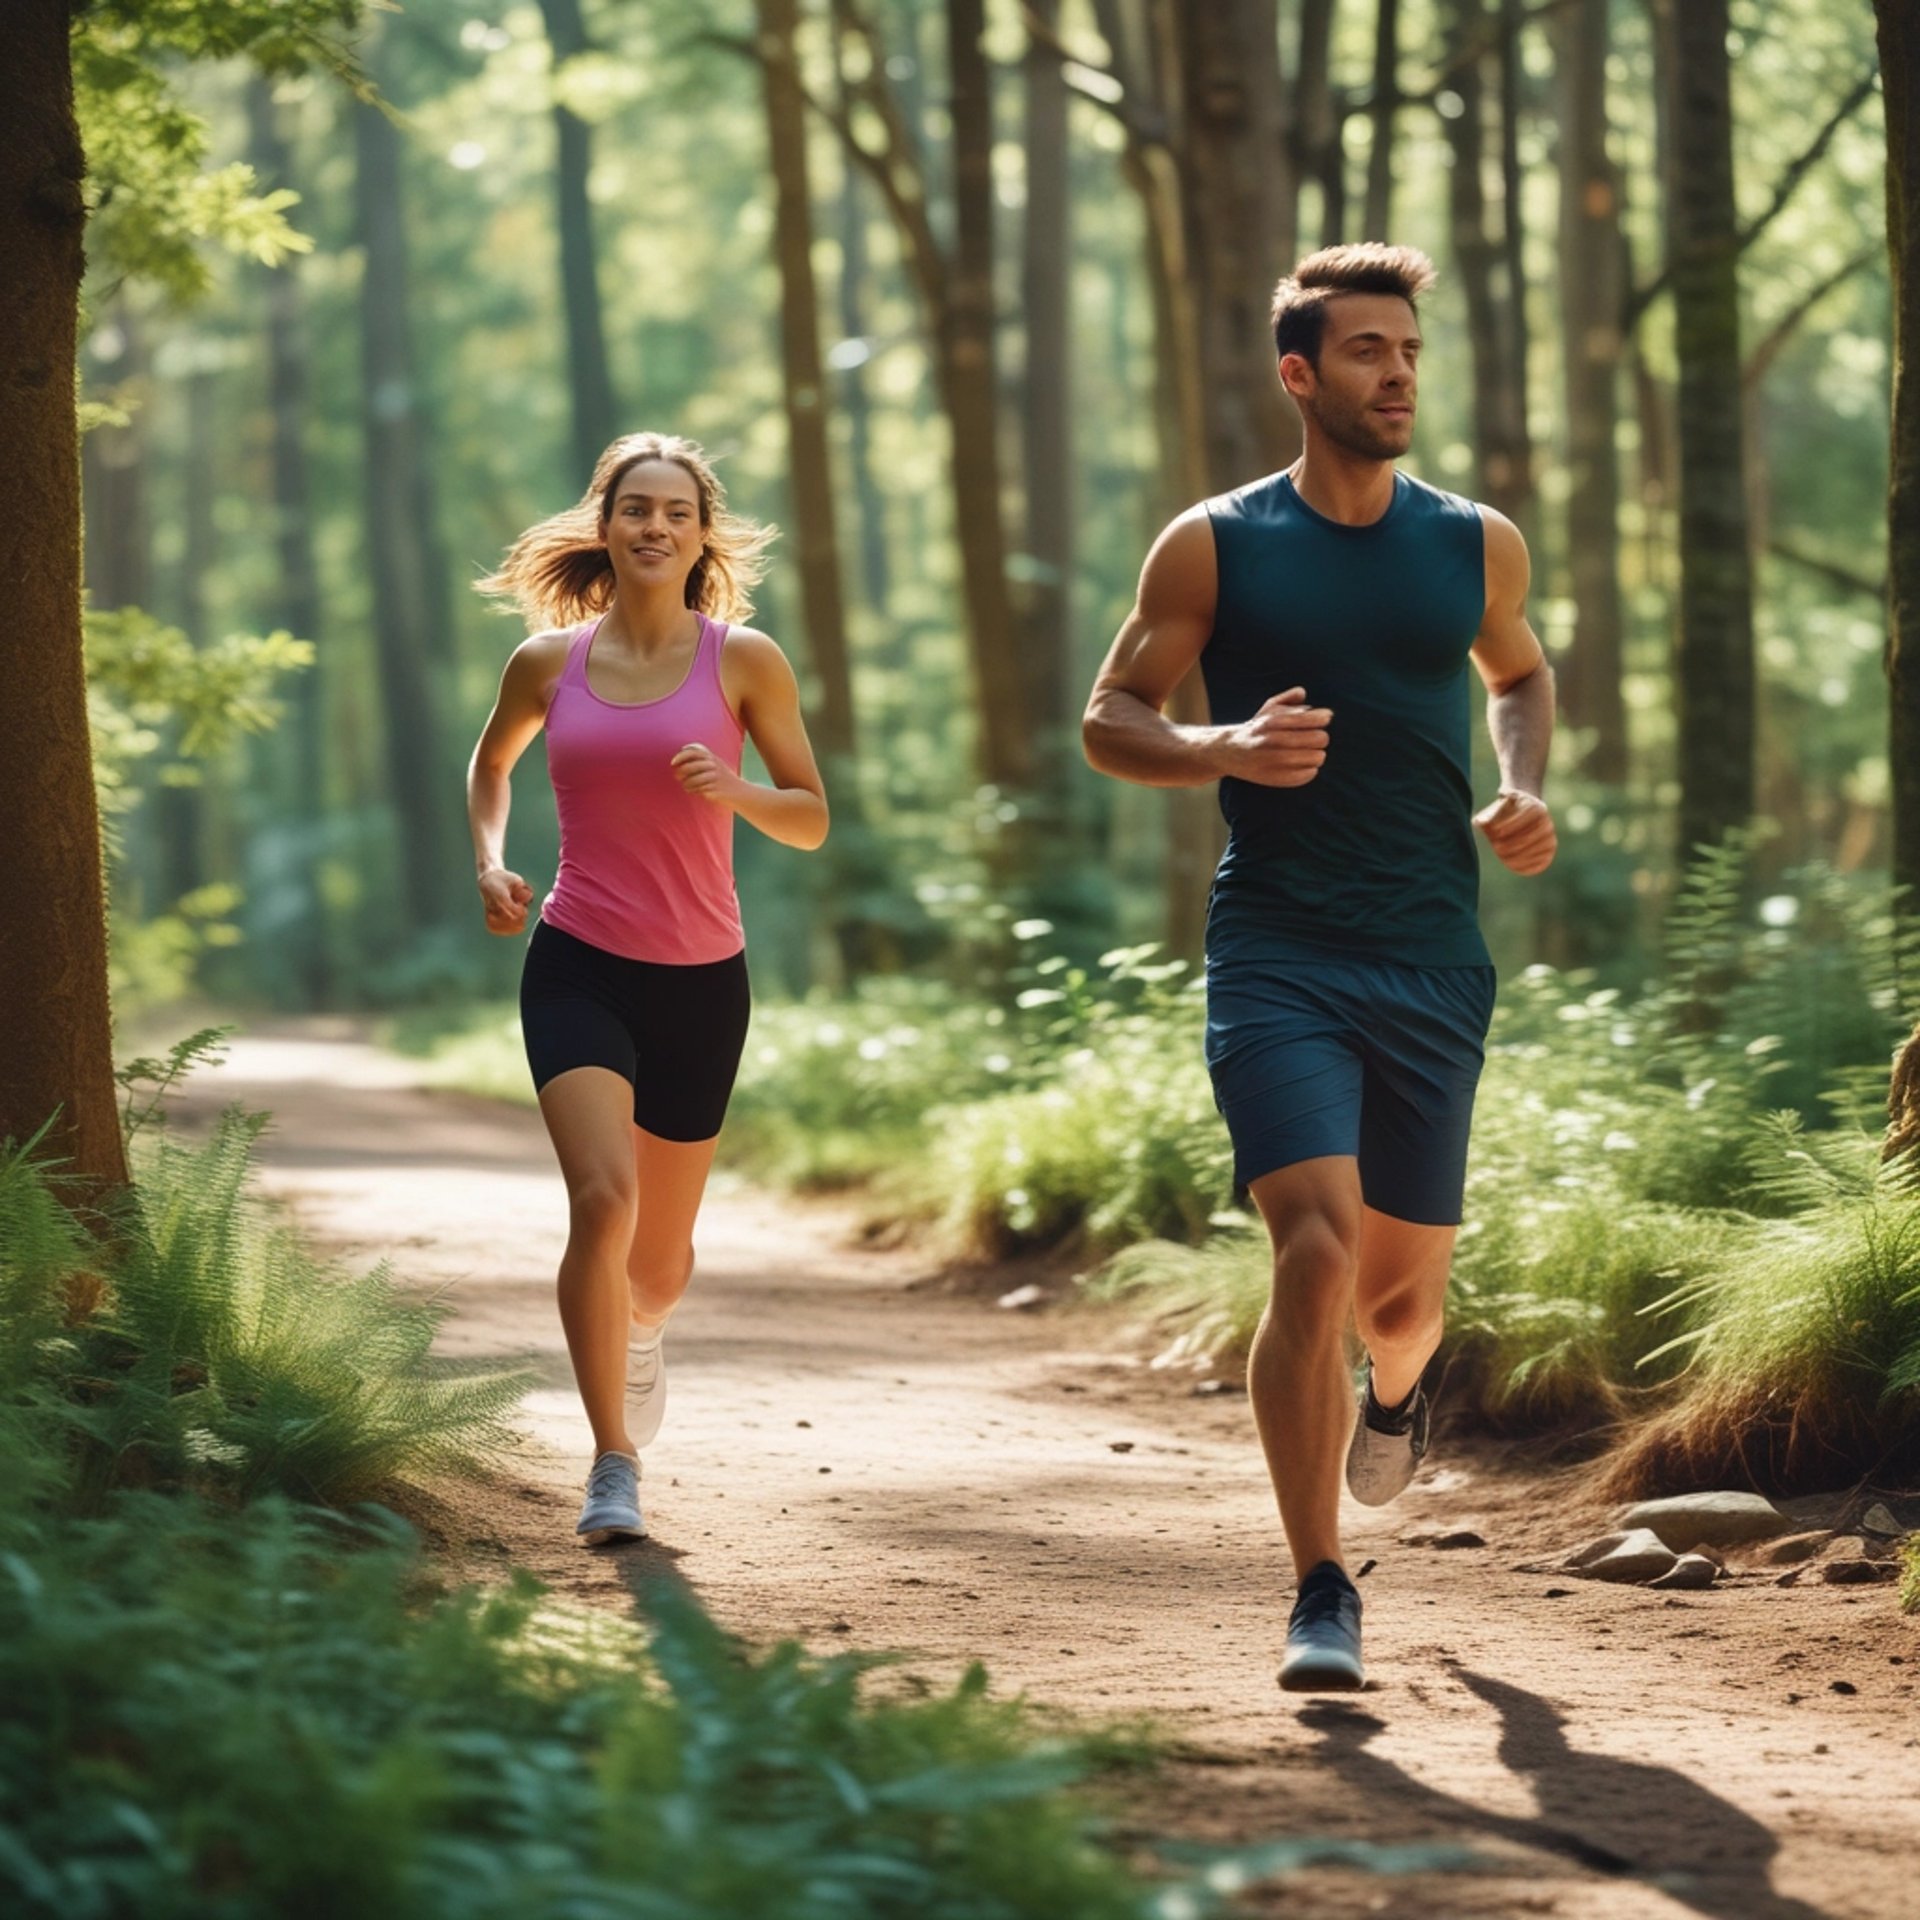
[
  {"x": 1384, "y": 1454},
  {"x": 612, "y": 1509},
  {"x": 646, "y": 1386}
]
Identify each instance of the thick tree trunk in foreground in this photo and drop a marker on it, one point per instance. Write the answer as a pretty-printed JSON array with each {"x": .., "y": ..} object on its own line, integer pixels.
[
  {"x": 1899, "y": 32},
  {"x": 1592, "y": 297},
  {"x": 1377, "y": 223},
  {"x": 595, "y": 414},
  {"x": 58, "y": 1052},
  {"x": 1715, "y": 681},
  {"x": 408, "y": 575}
]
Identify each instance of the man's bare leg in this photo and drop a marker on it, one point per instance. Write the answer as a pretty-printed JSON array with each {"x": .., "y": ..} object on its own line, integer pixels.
[
  {"x": 1297, "y": 1374},
  {"x": 1399, "y": 1299}
]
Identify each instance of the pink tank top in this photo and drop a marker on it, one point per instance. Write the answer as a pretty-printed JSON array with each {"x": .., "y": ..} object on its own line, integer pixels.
[{"x": 646, "y": 868}]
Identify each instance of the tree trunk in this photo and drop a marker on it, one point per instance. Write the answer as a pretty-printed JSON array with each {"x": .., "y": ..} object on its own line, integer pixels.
[
  {"x": 1592, "y": 297},
  {"x": 876, "y": 580},
  {"x": 1047, "y": 404},
  {"x": 183, "y": 813},
  {"x": 118, "y": 545},
  {"x": 1899, "y": 34},
  {"x": 300, "y": 776},
  {"x": 1503, "y": 456},
  {"x": 407, "y": 571},
  {"x": 595, "y": 414},
  {"x": 1715, "y": 682},
  {"x": 970, "y": 391},
  {"x": 804, "y": 383},
  {"x": 1315, "y": 145},
  {"x": 1378, "y": 223},
  {"x": 1237, "y": 240},
  {"x": 58, "y": 1060}
]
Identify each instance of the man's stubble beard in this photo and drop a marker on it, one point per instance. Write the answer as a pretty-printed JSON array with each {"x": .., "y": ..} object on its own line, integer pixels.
[{"x": 1350, "y": 429}]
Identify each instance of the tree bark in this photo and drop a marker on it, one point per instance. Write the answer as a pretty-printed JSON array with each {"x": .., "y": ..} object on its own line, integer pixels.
[
  {"x": 1899, "y": 36},
  {"x": 1715, "y": 682},
  {"x": 590, "y": 384},
  {"x": 1592, "y": 295},
  {"x": 1502, "y": 450},
  {"x": 1238, "y": 238},
  {"x": 407, "y": 570},
  {"x": 301, "y": 775},
  {"x": 1378, "y": 221},
  {"x": 1047, "y": 402},
  {"x": 58, "y": 1061},
  {"x": 804, "y": 383},
  {"x": 969, "y": 387},
  {"x": 1315, "y": 143}
]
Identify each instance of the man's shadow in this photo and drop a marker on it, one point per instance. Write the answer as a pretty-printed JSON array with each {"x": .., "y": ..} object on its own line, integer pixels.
[{"x": 1621, "y": 1818}]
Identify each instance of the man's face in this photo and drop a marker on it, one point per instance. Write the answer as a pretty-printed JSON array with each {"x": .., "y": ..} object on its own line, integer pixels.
[{"x": 1361, "y": 396}]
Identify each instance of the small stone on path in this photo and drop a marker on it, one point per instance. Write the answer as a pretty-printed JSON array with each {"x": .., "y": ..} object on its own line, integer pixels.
[
  {"x": 1459, "y": 1537},
  {"x": 1020, "y": 1297},
  {"x": 1690, "y": 1572},
  {"x": 1635, "y": 1555},
  {"x": 1878, "y": 1520},
  {"x": 1859, "y": 1573}
]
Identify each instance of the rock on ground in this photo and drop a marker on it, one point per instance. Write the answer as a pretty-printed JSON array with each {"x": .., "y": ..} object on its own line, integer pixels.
[
  {"x": 1635, "y": 1555},
  {"x": 1690, "y": 1571},
  {"x": 1709, "y": 1519}
]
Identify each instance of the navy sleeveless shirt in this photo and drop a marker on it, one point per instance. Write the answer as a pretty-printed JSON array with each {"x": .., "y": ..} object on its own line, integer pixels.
[{"x": 1375, "y": 856}]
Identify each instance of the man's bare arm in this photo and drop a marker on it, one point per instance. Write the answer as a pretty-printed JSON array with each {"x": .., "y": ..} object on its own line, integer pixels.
[
  {"x": 1519, "y": 685},
  {"x": 1126, "y": 733}
]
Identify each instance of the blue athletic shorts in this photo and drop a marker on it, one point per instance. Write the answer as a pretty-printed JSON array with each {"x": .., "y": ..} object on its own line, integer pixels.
[{"x": 1357, "y": 1057}]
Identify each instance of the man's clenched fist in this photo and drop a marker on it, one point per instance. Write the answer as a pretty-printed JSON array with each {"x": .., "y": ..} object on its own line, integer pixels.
[
  {"x": 1283, "y": 745},
  {"x": 1520, "y": 830}
]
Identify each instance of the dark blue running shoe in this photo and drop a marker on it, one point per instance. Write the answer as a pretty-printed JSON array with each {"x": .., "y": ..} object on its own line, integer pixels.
[{"x": 1323, "y": 1635}]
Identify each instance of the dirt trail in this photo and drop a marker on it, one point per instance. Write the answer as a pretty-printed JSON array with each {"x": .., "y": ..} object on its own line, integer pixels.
[{"x": 857, "y": 1457}]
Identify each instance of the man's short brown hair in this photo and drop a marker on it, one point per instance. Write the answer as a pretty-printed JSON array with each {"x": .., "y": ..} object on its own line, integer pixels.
[{"x": 1300, "y": 300}]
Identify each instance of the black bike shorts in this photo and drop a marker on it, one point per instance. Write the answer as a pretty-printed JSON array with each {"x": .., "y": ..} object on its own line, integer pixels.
[{"x": 675, "y": 1034}]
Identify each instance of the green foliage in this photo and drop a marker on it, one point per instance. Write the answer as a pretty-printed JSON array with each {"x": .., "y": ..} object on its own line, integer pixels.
[
  {"x": 208, "y": 1347},
  {"x": 252, "y": 1715},
  {"x": 1910, "y": 1574}
]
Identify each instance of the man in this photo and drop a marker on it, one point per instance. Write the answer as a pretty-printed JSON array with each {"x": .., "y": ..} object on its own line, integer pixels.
[{"x": 1333, "y": 609}]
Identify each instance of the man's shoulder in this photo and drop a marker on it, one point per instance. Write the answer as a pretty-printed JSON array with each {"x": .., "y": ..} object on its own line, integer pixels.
[{"x": 1439, "y": 502}]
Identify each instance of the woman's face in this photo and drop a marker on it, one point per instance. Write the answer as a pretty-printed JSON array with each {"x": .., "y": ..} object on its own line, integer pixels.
[{"x": 653, "y": 531}]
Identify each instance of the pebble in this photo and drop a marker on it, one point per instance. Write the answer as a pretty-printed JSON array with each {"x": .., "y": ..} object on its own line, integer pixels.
[
  {"x": 1459, "y": 1537},
  {"x": 1119, "y": 1446},
  {"x": 1690, "y": 1571},
  {"x": 1634, "y": 1555},
  {"x": 1859, "y": 1573},
  {"x": 1027, "y": 1296},
  {"x": 1794, "y": 1548},
  {"x": 1877, "y": 1519},
  {"x": 1708, "y": 1519}
]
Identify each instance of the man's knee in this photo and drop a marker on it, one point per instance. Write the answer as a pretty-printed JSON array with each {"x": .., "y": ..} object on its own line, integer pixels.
[
  {"x": 1409, "y": 1317},
  {"x": 1313, "y": 1271}
]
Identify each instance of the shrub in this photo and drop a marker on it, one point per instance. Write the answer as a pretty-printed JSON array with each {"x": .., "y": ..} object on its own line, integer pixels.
[{"x": 219, "y": 1352}]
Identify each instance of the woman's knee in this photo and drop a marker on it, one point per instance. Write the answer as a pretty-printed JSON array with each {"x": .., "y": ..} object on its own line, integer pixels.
[{"x": 602, "y": 1207}]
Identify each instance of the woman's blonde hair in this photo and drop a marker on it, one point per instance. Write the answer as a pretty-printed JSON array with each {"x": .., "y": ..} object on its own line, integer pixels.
[{"x": 558, "y": 573}]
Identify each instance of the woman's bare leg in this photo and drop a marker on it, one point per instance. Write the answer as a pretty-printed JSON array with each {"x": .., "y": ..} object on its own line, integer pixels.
[
  {"x": 670, "y": 1176},
  {"x": 589, "y": 1116}
]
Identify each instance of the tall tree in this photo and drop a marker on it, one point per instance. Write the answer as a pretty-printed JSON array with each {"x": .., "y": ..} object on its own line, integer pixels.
[
  {"x": 302, "y": 778},
  {"x": 804, "y": 381},
  {"x": 955, "y": 288},
  {"x": 1046, "y": 411},
  {"x": 589, "y": 383},
  {"x": 1899, "y": 39},
  {"x": 1314, "y": 139},
  {"x": 1591, "y": 299},
  {"x": 1715, "y": 676},
  {"x": 1502, "y": 446},
  {"x": 1378, "y": 221},
  {"x": 410, "y": 616},
  {"x": 53, "y": 960}
]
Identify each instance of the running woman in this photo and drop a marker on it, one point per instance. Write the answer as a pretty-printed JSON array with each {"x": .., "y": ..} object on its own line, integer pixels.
[
  {"x": 634, "y": 996},
  {"x": 1333, "y": 609}
]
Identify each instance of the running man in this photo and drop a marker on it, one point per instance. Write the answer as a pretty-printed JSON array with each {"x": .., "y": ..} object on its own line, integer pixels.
[
  {"x": 1333, "y": 609},
  {"x": 634, "y": 996}
]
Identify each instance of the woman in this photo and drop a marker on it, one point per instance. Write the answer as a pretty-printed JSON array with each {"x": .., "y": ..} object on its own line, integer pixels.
[{"x": 634, "y": 996}]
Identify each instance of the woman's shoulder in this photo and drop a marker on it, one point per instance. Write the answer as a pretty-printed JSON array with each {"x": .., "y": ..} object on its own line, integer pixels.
[{"x": 539, "y": 661}]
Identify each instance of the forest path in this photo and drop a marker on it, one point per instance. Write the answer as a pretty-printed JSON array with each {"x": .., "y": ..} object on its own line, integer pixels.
[{"x": 857, "y": 1456}]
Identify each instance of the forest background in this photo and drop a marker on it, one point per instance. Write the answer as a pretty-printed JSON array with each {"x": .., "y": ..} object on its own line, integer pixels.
[{"x": 969, "y": 299}]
